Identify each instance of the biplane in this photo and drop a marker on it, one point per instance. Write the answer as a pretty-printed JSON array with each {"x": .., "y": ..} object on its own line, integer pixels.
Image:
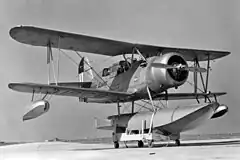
[{"x": 145, "y": 73}]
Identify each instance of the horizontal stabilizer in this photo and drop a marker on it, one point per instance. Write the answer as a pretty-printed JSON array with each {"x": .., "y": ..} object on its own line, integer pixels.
[
  {"x": 105, "y": 127},
  {"x": 103, "y": 124}
]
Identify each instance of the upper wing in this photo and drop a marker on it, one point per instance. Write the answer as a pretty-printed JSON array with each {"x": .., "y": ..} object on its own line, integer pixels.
[
  {"x": 69, "y": 91},
  {"x": 179, "y": 96},
  {"x": 70, "y": 41}
]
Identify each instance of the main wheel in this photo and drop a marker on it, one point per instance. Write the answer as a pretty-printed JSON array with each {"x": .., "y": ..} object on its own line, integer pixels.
[
  {"x": 116, "y": 145},
  {"x": 150, "y": 143},
  {"x": 140, "y": 144},
  {"x": 177, "y": 142}
]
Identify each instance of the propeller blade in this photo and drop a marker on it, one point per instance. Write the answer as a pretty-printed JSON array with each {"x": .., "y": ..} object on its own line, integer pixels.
[
  {"x": 161, "y": 65},
  {"x": 195, "y": 69},
  {"x": 183, "y": 67}
]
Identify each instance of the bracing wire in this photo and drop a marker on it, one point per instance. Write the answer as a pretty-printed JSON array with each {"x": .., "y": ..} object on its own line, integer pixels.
[
  {"x": 95, "y": 72},
  {"x": 70, "y": 58},
  {"x": 143, "y": 106},
  {"x": 197, "y": 87}
]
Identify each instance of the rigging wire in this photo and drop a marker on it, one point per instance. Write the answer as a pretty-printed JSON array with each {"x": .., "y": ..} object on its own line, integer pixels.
[
  {"x": 143, "y": 106},
  {"x": 149, "y": 103},
  {"x": 205, "y": 91},
  {"x": 199, "y": 89},
  {"x": 104, "y": 82},
  {"x": 70, "y": 58}
]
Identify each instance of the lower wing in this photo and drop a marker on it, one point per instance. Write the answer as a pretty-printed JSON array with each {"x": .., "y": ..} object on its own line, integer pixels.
[
  {"x": 106, "y": 95},
  {"x": 111, "y": 96}
]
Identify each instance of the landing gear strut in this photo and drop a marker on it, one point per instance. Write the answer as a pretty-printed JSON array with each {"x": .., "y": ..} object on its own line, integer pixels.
[{"x": 150, "y": 143}]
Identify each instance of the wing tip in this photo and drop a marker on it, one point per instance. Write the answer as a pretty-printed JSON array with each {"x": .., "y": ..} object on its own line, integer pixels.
[
  {"x": 13, "y": 85},
  {"x": 14, "y": 30}
]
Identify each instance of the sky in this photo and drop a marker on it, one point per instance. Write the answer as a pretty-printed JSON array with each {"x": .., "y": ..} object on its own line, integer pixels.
[{"x": 187, "y": 23}]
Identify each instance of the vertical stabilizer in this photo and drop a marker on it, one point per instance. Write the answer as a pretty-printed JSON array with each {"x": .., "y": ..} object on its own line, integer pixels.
[{"x": 85, "y": 70}]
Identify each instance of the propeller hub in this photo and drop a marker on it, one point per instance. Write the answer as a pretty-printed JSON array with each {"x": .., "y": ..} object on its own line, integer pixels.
[{"x": 178, "y": 73}]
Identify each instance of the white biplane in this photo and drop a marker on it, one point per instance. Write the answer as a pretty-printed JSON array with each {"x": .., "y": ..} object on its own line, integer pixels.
[{"x": 145, "y": 78}]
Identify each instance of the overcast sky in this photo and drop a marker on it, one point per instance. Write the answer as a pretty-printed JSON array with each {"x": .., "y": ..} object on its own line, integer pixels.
[{"x": 201, "y": 24}]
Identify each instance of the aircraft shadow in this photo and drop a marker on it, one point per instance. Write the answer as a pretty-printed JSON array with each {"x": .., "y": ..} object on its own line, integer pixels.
[
  {"x": 185, "y": 144},
  {"x": 230, "y": 142}
]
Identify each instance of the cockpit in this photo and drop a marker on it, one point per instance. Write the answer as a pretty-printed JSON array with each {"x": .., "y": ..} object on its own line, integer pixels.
[
  {"x": 123, "y": 67},
  {"x": 117, "y": 68}
]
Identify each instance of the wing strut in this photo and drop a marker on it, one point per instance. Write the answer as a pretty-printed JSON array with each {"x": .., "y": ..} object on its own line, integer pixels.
[
  {"x": 195, "y": 76},
  {"x": 208, "y": 67},
  {"x": 58, "y": 57},
  {"x": 50, "y": 62},
  {"x": 204, "y": 85},
  {"x": 140, "y": 54}
]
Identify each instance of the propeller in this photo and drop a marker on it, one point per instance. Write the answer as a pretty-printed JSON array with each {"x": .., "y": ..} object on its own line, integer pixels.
[{"x": 179, "y": 66}]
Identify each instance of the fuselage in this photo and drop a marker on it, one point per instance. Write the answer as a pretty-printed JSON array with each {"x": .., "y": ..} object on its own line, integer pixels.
[{"x": 136, "y": 76}]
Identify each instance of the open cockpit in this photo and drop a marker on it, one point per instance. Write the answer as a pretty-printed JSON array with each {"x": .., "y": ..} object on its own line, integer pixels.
[{"x": 117, "y": 68}]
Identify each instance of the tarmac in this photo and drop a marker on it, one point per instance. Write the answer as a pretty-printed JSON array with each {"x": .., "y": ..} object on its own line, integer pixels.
[{"x": 194, "y": 150}]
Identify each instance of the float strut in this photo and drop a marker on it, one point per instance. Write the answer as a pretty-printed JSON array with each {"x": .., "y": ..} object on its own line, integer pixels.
[
  {"x": 154, "y": 110},
  {"x": 118, "y": 109},
  {"x": 45, "y": 96},
  {"x": 132, "y": 106},
  {"x": 33, "y": 95}
]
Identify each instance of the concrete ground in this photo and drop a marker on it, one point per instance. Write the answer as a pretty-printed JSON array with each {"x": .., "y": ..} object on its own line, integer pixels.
[{"x": 204, "y": 149}]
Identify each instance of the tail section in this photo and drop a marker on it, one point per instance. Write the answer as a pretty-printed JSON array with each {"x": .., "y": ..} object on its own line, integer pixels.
[
  {"x": 85, "y": 70},
  {"x": 86, "y": 73}
]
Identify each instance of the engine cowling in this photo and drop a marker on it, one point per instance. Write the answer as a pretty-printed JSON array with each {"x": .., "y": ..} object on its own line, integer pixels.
[
  {"x": 220, "y": 111},
  {"x": 37, "y": 108},
  {"x": 160, "y": 78}
]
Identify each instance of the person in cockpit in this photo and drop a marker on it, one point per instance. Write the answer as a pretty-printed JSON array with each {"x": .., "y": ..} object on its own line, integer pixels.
[{"x": 120, "y": 69}]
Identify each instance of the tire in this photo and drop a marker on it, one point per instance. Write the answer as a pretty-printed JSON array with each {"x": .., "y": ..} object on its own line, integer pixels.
[
  {"x": 116, "y": 145},
  {"x": 177, "y": 142},
  {"x": 140, "y": 144},
  {"x": 150, "y": 143}
]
